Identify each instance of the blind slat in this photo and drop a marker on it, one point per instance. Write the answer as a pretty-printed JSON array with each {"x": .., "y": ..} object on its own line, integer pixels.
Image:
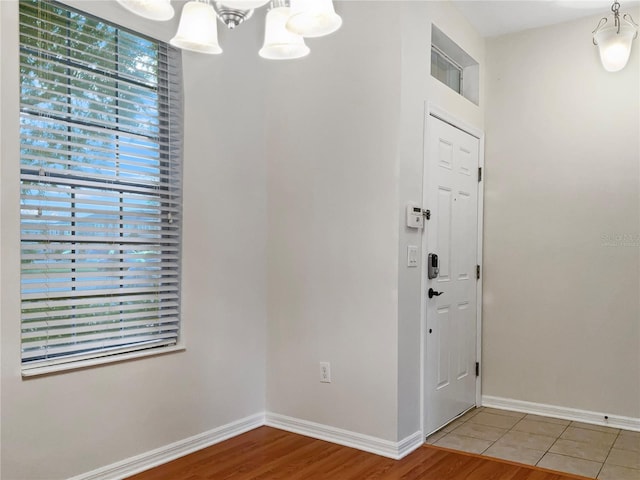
[
  {"x": 60, "y": 336},
  {"x": 66, "y": 145},
  {"x": 82, "y": 60},
  {"x": 107, "y": 106},
  {"x": 144, "y": 253},
  {"x": 68, "y": 127},
  {"x": 105, "y": 292},
  {"x": 51, "y": 306},
  {"x": 45, "y": 42},
  {"x": 35, "y": 201},
  {"x": 70, "y": 349},
  {"x": 53, "y": 268},
  {"x": 70, "y": 316},
  {"x": 128, "y": 183},
  {"x": 99, "y": 314},
  {"x": 30, "y": 365}
]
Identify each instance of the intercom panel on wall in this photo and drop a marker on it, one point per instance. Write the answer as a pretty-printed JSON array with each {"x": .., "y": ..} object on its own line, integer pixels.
[{"x": 415, "y": 219}]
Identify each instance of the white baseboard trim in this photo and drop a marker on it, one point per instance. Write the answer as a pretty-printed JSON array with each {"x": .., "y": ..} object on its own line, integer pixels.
[
  {"x": 167, "y": 453},
  {"x": 159, "y": 456},
  {"x": 565, "y": 413},
  {"x": 378, "y": 446}
]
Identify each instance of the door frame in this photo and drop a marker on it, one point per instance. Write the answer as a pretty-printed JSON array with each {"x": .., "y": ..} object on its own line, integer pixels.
[{"x": 433, "y": 110}]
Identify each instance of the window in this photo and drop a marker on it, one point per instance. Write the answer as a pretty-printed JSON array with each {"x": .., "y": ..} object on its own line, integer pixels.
[
  {"x": 100, "y": 174},
  {"x": 454, "y": 67},
  {"x": 446, "y": 70}
]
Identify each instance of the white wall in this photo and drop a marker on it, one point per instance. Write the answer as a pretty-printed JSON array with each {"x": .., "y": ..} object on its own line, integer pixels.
[
  {"x": 62, "y": 425},
  {"x": 561, "y": 309},
  {"x": 332, "y": 235},
  {"x": 418, "y": 88}
]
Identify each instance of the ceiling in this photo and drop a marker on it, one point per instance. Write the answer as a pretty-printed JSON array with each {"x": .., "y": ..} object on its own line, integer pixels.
[{"x": 498, "y": 17}]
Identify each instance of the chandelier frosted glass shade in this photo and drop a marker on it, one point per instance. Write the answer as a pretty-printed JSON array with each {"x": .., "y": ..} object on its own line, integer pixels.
[
  {"x": 287, "y": 22},
  {"x": 313, "y": 18},
  {"x": 280, "y": 43},
  {"x": 159, "y": 10},
  {"x": 198, "y": 29},
  {"x": 615, "y": 46}
]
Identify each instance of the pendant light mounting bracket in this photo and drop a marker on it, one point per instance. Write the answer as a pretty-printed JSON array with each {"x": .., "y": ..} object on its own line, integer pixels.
[{"x": 231, "y": 17}]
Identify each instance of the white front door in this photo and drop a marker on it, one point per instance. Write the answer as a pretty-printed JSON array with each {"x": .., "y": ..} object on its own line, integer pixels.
[{"x": 451, "y": 182}]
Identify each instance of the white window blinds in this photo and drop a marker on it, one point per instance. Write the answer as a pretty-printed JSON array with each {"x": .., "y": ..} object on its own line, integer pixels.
[{"x": 100, "y": 173}]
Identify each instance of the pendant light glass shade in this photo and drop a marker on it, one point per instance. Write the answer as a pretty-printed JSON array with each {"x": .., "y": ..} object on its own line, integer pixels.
[
  {"x": 159, "y": 10},
  {"x": 279, "y": 43},
  {"x": 198, "y": 29},
  {"x": 313, "y": 18},
  {"x": 614, "y": 46}
]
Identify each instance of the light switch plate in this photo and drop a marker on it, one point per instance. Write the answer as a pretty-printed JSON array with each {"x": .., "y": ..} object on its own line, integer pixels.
[{"x": 412, "y": 256}]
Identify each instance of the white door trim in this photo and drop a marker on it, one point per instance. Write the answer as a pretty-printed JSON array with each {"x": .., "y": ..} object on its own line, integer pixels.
[{"x": 437, "y": 112}]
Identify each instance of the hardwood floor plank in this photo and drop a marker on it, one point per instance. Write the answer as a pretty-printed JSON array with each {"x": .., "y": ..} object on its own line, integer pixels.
[{"x": 270, "y": 454}]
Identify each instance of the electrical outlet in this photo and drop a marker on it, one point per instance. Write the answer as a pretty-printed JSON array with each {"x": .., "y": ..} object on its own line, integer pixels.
[{"x": 325, "y": 372}]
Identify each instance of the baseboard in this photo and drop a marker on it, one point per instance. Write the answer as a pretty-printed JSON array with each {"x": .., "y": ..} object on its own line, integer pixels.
[
  {"x": 385, "y": 448},
  {"x": 159, "y": 456},
  {"x": 162, "y": 455},
  {"x": 565, "y": 413}
]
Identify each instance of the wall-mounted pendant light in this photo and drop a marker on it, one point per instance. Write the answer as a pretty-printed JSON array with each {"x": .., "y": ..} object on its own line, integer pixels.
[
  {"x": 313, "y": 18},
  {"x": 280, "y": 43},
  {"x": 198, "y": 29},
  {"x": 159, "y": 10},
  {"x": 614, "y": 39}
]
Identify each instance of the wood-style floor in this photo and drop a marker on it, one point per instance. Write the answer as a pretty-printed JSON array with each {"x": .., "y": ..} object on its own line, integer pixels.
[{"x": 270, "y": 454}]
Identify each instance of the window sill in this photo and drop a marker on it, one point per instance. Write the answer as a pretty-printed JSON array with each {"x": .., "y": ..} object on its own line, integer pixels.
[{"x": 94, "y": 362}]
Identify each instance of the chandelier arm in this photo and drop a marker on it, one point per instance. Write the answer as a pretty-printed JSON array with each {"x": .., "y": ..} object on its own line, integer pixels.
[
  {"x": 231, "y": 17},
  {"x": 628, "y": 18},
  {"x": 603, "y": 21}
]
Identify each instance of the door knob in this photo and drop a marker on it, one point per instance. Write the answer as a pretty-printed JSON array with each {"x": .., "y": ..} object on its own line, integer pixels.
[{"x": 432, "y": 293}]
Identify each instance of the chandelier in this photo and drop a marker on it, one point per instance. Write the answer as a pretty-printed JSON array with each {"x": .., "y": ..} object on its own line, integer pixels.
[
  {"x": 614, "y": 40},
  {"x": 287, "y": 23}
]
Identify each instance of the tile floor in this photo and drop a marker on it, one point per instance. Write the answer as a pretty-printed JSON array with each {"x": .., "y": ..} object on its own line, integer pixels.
[{"x": 579, "y": 448}]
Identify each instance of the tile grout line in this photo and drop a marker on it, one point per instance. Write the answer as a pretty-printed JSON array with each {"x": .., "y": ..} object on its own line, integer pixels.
[
  {"x": 609, "y": 452},
  {"x": 480, "y": 410},
  {"x": 554, "y": 442},
  {"x": 507, "y": 431},
  {"x": 575, "y": 458}
]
